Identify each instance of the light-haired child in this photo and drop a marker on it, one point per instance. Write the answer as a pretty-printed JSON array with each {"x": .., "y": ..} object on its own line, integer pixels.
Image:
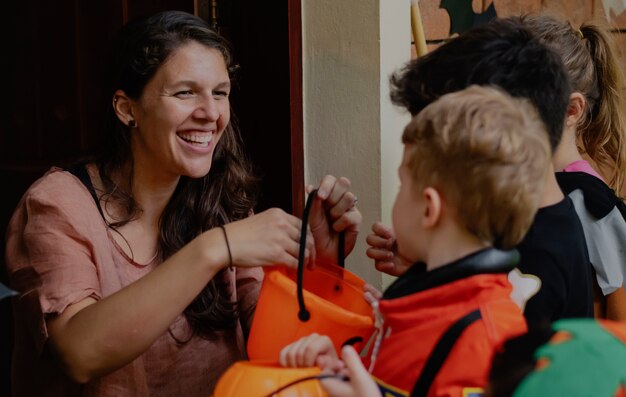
[{"x": 469, "y": 179}]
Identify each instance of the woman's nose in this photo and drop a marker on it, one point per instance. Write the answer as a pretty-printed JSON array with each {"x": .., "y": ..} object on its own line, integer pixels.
[{"x": 207, "y": 109}]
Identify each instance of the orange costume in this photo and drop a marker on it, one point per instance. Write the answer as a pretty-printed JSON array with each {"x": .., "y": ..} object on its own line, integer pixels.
[{"x": 469, "y": 302}]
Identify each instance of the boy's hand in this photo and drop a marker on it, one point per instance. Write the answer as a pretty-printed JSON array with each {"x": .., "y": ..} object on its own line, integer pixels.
[
  {"x": 384, "y": 251},
  {"x": 360, "y": 383},
  {"x": 334, "y": 211},
  {"x": 309, "y": 351}
]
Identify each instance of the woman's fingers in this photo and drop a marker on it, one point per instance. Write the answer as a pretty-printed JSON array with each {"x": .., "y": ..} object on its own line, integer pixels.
[
  {"x": 326, "y": 187},
  {"x": 336, "y": 196},
  {"x": 348, "y": 221},
  {"x": 270, "y": 237}
]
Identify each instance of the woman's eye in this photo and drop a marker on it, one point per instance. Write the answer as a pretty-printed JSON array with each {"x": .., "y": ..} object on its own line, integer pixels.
[
  {"x": 223, "y": 94},
  {"x": 184, "y": 94}
]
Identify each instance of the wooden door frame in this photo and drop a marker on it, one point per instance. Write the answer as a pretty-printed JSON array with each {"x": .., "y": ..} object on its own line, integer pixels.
[{"x": 294, "y": 8}]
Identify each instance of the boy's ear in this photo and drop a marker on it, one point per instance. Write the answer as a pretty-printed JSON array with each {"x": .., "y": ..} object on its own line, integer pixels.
[
  {"x": 123, "y": 107},
  {"x": 432, "y": 209},
  {"x": 575, "y": 109}
]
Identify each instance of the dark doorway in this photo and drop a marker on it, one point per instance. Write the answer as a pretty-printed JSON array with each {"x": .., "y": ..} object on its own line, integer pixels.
[{"x": 54, "y": 72}]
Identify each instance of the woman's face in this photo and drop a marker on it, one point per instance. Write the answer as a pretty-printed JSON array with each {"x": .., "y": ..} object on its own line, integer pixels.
[{"x": 182, "y": 114}]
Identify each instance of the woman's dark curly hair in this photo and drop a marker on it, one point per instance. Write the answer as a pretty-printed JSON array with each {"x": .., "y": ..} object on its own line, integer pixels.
[{"x": 227, "y": 193}]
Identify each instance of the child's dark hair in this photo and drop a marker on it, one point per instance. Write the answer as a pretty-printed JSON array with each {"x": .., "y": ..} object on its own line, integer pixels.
[{"x": 503, "y": 53}]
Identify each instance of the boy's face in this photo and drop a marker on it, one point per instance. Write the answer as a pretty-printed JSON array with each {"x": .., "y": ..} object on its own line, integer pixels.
[{"x": 407, "y": 211}]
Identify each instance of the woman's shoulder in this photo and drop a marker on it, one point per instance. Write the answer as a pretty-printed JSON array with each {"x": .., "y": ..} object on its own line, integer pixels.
[
  {"x": 58, "y": 193},
  {"x": 57, "y": 184}
]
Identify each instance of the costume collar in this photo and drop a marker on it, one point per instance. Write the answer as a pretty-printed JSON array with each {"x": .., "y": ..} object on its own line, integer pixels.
[
  {"x": 486, "y": 261},
  {"x": 600, "y": 199}
]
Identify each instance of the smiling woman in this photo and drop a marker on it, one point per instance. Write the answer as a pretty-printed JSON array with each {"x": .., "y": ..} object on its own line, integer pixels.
[
  {"x": 138, "y": 271},
  {"x": 182, "y": 112}
]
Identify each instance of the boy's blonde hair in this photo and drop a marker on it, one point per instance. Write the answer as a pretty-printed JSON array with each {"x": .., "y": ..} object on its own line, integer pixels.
[{"x": 488, "y": 155}]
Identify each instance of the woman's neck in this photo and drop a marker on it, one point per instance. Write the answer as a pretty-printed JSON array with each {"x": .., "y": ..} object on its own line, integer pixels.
[
  {"x": 152, "y": 193},
  {"x": 139, "y": 237}
]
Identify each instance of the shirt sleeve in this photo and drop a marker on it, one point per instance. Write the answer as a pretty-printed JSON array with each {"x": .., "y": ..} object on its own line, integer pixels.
[
  {"x": 249, "y": 282},
  {"x": 49, "y": 254},
  {"x": 606, "y": 243}
]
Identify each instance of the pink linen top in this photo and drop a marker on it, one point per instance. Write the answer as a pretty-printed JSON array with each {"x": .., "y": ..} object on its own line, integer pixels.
[
  {"x": 59, "y": 252},
  {"x": 582, "y": 166}
]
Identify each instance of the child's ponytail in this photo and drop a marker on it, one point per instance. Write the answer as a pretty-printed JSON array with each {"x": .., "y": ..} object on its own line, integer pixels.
[{"x": 605, "y": 127}]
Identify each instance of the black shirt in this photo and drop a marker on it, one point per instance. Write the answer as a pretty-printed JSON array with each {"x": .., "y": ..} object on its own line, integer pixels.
[{"x": 555, "y": 253}]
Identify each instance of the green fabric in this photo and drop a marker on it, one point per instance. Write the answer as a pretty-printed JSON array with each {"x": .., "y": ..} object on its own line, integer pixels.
[{"x": 592, "y": 363}]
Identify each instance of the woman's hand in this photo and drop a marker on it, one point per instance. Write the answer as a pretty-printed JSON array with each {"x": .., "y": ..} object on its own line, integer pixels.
[
  {"x": 268, "y": 238},
  {"x": 384, "y": 251},
  {"x": 334, "y": 211}
]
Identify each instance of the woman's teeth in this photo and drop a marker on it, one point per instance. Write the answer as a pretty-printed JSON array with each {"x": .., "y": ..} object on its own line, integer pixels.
[{"x": 200, "y": 140}]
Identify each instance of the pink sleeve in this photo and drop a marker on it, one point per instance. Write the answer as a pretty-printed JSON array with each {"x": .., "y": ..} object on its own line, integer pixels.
[
  {"x": 49, "y": 255},
  {"x": 248, "y": 286}
]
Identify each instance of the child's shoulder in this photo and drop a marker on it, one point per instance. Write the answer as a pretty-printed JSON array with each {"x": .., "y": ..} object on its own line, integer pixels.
[{"x": 599, "y": 198}]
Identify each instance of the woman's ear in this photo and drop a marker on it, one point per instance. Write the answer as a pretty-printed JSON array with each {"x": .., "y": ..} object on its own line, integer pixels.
[
  {"x": 575, "y": 109},
  {"x": 122, "y": 106},
  {"x": 432, "y": 209}
]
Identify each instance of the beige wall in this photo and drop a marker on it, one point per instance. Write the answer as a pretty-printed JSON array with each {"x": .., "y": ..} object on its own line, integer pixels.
[{"x": 350, "y": 128}]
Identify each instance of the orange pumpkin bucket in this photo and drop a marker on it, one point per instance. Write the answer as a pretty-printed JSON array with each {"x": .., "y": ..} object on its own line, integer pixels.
[
  {"x": 327, "y": 300},
  {"x": 265, "y": 379}
]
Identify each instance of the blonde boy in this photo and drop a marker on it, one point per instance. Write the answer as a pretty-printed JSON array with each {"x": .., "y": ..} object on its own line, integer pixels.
[{"x": 470, "y": 181}]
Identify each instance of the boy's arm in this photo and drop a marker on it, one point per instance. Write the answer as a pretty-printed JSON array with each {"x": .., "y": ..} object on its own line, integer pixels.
[{"x": 308, "y": 352}]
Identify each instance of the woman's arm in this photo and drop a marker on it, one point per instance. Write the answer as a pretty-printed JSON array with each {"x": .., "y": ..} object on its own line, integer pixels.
[{"x": 92, "y": 338}]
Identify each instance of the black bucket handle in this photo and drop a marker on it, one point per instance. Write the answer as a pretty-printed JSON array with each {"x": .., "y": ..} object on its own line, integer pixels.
[{"x": 303, "y": 314}]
